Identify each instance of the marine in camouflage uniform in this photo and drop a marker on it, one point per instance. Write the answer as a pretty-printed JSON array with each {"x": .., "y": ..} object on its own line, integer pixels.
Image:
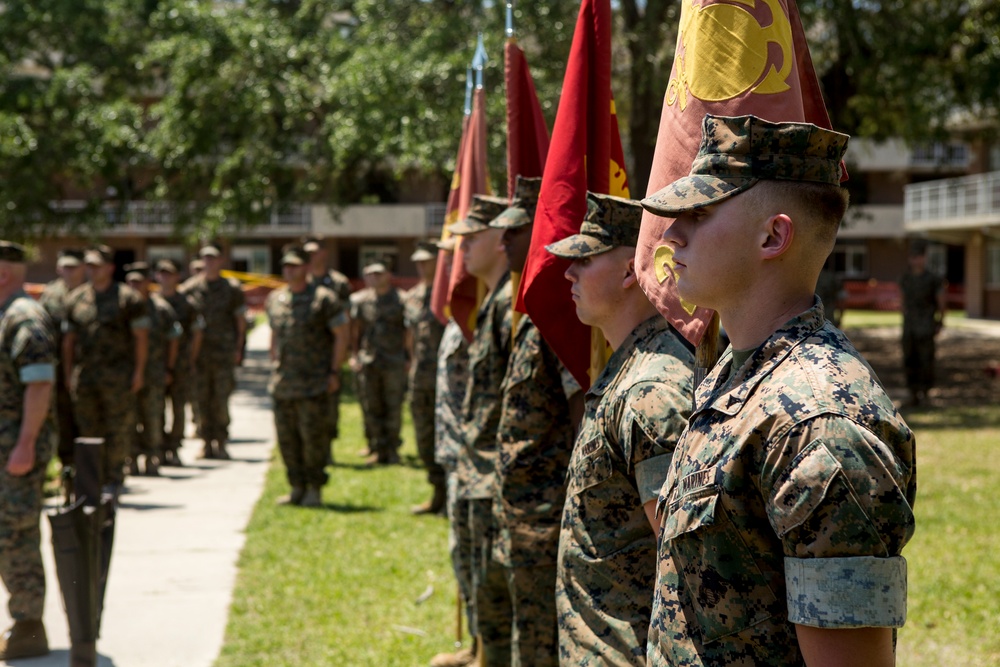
[
  {"x": 164, "y": 332},
  {"x": 69, "y": 266},
  {"x": 378, "y": 331},
  {"x": 192, "y": 326},
  {"x": 923, "y": 302},
  {"x": 635, "y": 411},
  {"x": 27, "y": 439},
  {"x": 424, "y": 332},
  {"x": 105, "y": 346},
  {"x": 790, "y": 495},
  {"x": 489, "y": 354},
  {"x": 222, "y": 304},
  {"x": 451, "y": 385},
  {"x": 338, "y": 283},
  {"x": 306, "y": 320},
  {"x": 534, "y": 438}
]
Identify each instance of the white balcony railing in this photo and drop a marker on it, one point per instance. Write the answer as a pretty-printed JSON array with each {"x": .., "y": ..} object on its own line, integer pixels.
[{"x": 963, "y": 202}]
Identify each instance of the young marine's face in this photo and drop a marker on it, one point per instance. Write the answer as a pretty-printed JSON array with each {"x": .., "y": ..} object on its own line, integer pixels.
[
  {"x": 481, "y": 251},
  {"x": 713, "y": 253},
  {"x": 294, "y": 273},
  {"x": 597, "y": 285},
  {"x": 516, "y": 243}
]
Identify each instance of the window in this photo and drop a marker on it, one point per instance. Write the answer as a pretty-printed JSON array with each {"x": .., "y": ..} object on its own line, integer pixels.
[
  {"x": 993, "y": 264},
  {"x": 850, "y": 261},
  {"x": 251, "y": 259}
]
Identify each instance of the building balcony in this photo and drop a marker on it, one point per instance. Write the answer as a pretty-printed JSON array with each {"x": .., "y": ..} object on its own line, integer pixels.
[
  {"x": 953, "y": 204},
  {"x": 151, "y": 219}
]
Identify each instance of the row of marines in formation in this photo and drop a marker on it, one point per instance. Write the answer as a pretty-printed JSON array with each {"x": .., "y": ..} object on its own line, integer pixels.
[
  {"x": 754, "y": 519},
  {"x": 95, "y": 358},
  {"x": 759, "y": 524}
]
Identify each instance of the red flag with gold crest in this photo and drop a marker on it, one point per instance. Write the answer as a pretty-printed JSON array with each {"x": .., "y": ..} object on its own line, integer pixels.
[
  {"x": 585, "y": 153},
  {"x": 731, "y": 59},
  {"x": 458, "y": 290}
]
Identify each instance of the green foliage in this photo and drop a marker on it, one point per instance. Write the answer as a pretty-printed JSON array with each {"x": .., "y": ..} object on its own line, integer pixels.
[
  {"x": 232, "y": 110},
  {"x": 905, "y": 69}
]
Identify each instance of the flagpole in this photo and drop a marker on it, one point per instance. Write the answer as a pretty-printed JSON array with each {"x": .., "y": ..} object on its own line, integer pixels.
[{"x": 707, "y": 351}]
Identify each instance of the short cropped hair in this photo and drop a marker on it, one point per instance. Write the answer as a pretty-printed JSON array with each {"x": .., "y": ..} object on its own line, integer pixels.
[{"x": 819, "y": 206}]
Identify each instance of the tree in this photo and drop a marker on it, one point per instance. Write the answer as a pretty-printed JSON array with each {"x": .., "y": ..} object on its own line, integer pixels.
[{"x": 70, "y": 129}]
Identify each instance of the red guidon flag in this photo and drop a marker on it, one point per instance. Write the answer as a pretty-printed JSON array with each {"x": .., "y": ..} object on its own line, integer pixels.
[
  {"x": 585, "y": 154},
  {"x": 527, "y": 136},
  {"x": 458, "y": 290},
  {"x": 731, "y": 60}
]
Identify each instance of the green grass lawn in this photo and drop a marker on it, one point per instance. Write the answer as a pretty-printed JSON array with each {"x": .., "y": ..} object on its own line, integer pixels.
[
  {"x": 863, "y": 319},
  {"x": 339, "y": 586}
]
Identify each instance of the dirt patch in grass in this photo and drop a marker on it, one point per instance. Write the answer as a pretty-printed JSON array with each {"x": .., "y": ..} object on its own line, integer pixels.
[{"x": 968, "y": 365}]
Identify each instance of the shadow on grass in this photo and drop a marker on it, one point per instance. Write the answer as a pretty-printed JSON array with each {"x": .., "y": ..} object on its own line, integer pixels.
[{"x": 940, "y": 419}]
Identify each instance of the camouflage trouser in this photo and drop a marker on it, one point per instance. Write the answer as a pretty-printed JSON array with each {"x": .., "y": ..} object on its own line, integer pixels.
[
  {"x": 535, "y": 641},
  {"x": 177, "y": 396},
  {"x": 215, "y": 384},
  {"x": 20, "y": 541},
  {"x": 106, "y": 411},
  {"x": 422, "y": 410},
  {"x": 149, "y": 420},
  {"x": 491, "y": 597},
  {"x": 301, "y": 427},
  {"x": 460, "y": 547},
  {"x": 67, "y": 423},
  {"x": 918, "y": 360},
  {"x": 333, "y": 415},
  {"x": 381, "y": 388}
]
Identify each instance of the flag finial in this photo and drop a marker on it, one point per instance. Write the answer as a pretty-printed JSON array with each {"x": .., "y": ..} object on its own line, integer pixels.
[
  {"x": 479, "y": 61},
  {"x": 509, "y": 30},
  {"x": 468, "y": 90}
]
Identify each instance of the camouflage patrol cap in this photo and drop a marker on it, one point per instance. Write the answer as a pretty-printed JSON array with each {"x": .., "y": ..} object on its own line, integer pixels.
[
  {"x": 210, "y": 250},
  {"x": 484, "y": 209},
  {"x": 448, "y": 244},
  {"x": 377, "y": 267},
  {"x": 167, "y": 265},
  {"x": 521, "y": 211},
  {"x": 70, "y": 257},
  {"x": 135, "y": 277},
  {"x": 425, "y": 252},
  {"x": 738, "y": 152},
  {"x": 196, "y": 265},
  {"x": 611, "y": 222},
  {"x": 295, "y": 256},
  {"x": 99, "y": 255},
  {"x": 12, "y": 252},
  {"x": 312, "y": 243},
  {"x": 141, "y": 268}
]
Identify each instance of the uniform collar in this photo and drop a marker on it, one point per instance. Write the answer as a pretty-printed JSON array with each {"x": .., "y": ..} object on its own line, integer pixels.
[
  {"x": 726, "y": 393},
  {"x": 648, "y": 328}
]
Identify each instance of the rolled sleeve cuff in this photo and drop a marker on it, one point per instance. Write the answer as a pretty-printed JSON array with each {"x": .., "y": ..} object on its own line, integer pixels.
[
  {"x": 649, "y": 476},
  {"x": 337, "y": 320},
  {"x": 37, "y": 373},
  {"x": 854, "y": 592},
  {"x": 140, "y": 323}
]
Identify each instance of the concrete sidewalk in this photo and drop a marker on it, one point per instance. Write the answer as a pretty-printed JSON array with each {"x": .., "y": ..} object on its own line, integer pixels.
[{"x": 177, "y": 539}]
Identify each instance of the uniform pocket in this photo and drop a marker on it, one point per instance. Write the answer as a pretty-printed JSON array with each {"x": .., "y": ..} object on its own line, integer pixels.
[
  {"x": 589, "y": 467},
  {"x": 726, "y": 587}
]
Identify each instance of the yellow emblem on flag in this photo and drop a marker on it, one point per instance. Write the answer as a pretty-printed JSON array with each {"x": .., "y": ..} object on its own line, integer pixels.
[
  {"x": 663, "y": 260},
  {"x": 712, "y": 74}
]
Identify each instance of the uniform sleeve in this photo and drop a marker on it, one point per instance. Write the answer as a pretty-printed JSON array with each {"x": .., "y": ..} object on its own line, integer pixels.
[
  {"x": 653, "y": 418},
  {"x": 137, "y": 311},
  {"x": 69, "y": 325},
  {"x": 239, "y": 299},
  {"x": 840, "y": 501},
  {"x": 33, "y": 351},
  {"x": 569, "y": 384},
  {"x": 335, "y": 314}
]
